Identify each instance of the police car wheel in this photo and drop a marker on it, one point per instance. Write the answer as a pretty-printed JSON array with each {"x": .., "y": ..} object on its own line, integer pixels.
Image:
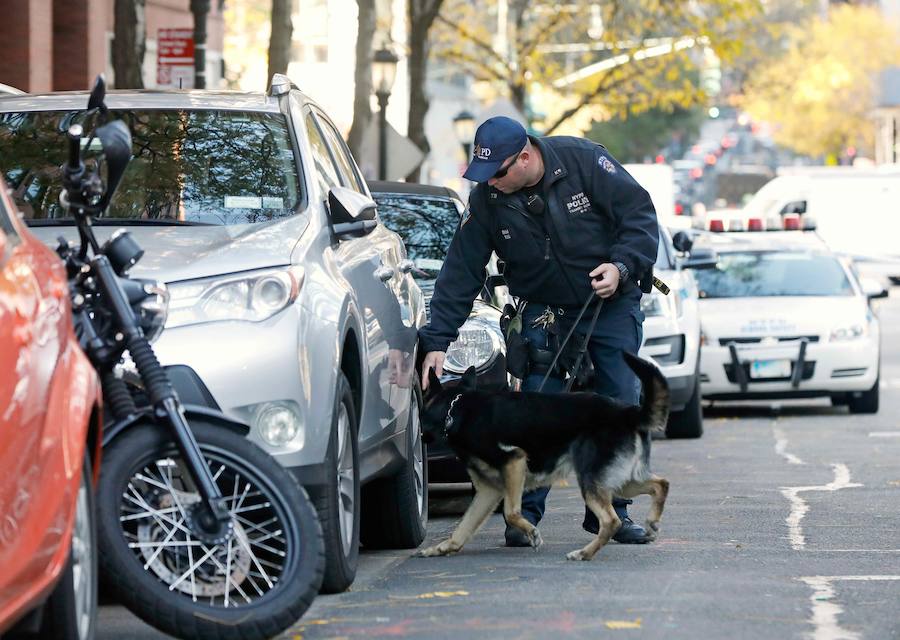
[
  {"x": 687, "y": 423},
  {"x": 867, "y": 401}
]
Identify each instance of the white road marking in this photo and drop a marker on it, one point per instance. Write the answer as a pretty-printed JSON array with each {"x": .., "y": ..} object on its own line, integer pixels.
[
  {"x": 892, "y": 383},
  {"x": 884, "y": 434},
  {"x": 799, "y": 506},
  {"x": 781, "y": 443},
  {"x": 824, "y": 612}
]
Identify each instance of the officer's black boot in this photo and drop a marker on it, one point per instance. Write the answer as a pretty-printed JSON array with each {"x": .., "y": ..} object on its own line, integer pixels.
[{"x": 628, "y": 533}]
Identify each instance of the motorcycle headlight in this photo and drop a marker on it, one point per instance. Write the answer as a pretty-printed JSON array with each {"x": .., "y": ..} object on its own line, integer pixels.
[
  {"x": 153, "y": 310},
  {"x": 477, "y": 346},
  {"x": 850, "y": 332},
  {"x": 252, "y": 297}
]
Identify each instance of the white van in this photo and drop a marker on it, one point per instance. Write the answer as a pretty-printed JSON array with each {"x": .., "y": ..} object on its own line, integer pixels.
[{"x": 856, "y": 211}]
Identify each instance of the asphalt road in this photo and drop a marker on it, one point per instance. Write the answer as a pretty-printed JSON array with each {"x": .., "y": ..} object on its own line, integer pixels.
[{"x": 781, "y": 523}]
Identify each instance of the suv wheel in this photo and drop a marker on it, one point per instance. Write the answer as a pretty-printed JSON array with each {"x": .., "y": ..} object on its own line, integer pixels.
[
  {"x": 395, "y": 509},
  {"x": 338, "y": 502}
]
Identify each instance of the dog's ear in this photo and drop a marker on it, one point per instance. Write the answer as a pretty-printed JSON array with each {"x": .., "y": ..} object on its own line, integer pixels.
[
  {"x": 469, "y": 379},
  {"x": 434, "y": 385}
]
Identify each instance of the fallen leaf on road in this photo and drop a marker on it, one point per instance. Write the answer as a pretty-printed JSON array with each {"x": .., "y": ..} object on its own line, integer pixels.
[
  {"x": 624, "y": 624},
  {"x": 433, "y": 594}
]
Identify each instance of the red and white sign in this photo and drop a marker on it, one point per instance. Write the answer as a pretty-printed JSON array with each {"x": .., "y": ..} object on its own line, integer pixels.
[{"x": 175, "y": 59}]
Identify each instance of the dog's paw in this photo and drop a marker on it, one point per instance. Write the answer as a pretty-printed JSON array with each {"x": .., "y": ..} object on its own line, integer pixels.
[
  {"x": 535, "y": 539},
  {"x": 578, "y": 554},
  {"x": 442, "y": 549},
  {"x": 652, "y": 529}
]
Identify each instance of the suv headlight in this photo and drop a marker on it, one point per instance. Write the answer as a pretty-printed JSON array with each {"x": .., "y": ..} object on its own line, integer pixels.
[
  {"x": 477, "y": 346},
  {"x": 252, "y": 297},
  {"x": 850, "y": 332},
  {"x": 657, "y": 304}
]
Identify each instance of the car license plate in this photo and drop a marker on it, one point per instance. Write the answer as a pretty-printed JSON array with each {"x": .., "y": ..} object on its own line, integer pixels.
[{"x": 770, "y": 369}]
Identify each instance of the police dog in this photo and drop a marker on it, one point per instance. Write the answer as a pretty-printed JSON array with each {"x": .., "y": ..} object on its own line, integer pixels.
[{"x": 515, "y": 441}]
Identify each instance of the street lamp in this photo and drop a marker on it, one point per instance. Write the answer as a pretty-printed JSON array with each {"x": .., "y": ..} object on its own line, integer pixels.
[
  {"x": 384, "y": 68},
  {"x": 464, "y": 125}
]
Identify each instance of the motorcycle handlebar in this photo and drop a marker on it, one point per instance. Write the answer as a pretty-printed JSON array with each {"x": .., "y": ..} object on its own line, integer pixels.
[{"x": 74, "y": 135}]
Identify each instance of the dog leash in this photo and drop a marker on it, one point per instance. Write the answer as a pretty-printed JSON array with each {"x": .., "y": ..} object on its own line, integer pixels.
[{"x": 562, "y": 345}]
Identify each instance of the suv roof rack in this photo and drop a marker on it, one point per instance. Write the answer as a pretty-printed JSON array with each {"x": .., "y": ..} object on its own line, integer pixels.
[{"x": 280, "y": 85}]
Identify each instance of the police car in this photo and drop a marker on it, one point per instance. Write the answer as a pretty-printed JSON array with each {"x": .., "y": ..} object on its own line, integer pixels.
[{"x": 784, "y": 317}]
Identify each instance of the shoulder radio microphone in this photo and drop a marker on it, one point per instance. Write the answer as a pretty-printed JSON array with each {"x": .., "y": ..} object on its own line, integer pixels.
[{"x": 535, "y": 204}]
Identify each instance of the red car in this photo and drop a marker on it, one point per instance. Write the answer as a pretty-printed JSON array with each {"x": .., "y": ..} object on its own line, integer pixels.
[{"x": 50, "y": 419}]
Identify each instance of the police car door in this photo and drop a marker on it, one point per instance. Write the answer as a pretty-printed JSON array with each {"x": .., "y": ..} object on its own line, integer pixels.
[{"x": 370, "y": 265}]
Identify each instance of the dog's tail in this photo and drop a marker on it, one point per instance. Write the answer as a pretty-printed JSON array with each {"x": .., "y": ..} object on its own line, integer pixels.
[{"x": 654, "y": 410}]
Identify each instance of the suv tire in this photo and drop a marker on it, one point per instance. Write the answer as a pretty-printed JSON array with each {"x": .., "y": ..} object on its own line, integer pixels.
[
  {"x": 338, "y": 501},
  {"x": 395, "y": 509}
]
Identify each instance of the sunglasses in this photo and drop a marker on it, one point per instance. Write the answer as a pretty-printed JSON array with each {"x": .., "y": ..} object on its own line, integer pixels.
[{"x": 502, "y": 171}]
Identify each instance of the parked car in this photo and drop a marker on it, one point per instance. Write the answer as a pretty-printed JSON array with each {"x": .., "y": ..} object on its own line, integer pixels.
[
  {"x": 426, "y": 217},
  {"x": 672, "y": 333},
  {"x": 292, "y": 308},
  {"x": 49, "y": 445},
  {"x": 784, "y": 317}
]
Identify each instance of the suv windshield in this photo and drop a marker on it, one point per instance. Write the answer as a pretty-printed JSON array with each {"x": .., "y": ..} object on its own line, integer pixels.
[
  {"x": 426, "y": 225},
  {"x": 774, "y": 273},
  {"x": 201, "y": 167}
]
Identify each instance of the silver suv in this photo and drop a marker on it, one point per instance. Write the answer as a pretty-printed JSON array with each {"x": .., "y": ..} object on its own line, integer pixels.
[{"x": 292, "y": 307}]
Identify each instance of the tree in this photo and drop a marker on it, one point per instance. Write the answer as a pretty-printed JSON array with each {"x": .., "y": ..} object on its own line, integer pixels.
[
  {"x": 422, "y": 15},
  {"x": 818, "y": 94},
  {"x": 280, "y": 38},
  {"x": 593, "y": 60},
  {"x": 636, "y": 138},
  {"x": 129, "y": 43},
  {"x": 362, "y": 94}
]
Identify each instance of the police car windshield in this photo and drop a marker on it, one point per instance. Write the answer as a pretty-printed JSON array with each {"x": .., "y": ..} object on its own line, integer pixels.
[
  {"x": 425, "y": 223},
  {"x": 773, "y": 273},
  {"x": 206, "y": 167}
]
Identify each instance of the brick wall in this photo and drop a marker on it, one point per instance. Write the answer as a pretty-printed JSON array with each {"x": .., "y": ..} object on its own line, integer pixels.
[{"x": 26, "y": 44}]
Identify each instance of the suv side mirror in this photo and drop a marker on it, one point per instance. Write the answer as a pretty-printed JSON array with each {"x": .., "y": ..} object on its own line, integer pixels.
[
  {"x": 701, "y": 259},
  {"x": 682, "y": 242},
  {"x": 352, "y": 214}
]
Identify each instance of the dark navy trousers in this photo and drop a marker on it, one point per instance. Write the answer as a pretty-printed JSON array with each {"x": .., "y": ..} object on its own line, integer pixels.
[{"x": 619, "y": 328}]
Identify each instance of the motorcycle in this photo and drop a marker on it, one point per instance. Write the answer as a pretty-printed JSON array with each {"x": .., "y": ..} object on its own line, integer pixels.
[{"x": 200, "y": 532}]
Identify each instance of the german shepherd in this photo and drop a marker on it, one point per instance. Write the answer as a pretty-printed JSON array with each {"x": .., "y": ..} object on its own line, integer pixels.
[{"x": 516, "y": 441}]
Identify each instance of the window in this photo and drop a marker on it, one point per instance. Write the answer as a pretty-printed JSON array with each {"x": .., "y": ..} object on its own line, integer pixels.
[
  {"x": 350, "y": 176},
  {"x": 326, "y": 172},
  {"x": 773, "y": 273},
  {"x": 201, "y": 167}
]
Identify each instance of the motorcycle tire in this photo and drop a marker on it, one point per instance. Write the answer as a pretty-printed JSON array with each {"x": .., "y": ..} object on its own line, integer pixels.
[{"x": 255, "y": 585}]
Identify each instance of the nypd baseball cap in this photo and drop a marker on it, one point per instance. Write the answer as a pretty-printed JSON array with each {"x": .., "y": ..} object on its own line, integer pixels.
[{"x": 497, "y": 139}]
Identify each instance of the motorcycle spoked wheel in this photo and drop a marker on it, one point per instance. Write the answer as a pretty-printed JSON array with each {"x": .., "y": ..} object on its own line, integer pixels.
[{"x": 255, "y": 585}]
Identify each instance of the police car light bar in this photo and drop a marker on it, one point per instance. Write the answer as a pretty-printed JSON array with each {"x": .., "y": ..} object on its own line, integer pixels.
[
  {"x": 755, "y": 224},
  {"x": 791, "y": 222}
]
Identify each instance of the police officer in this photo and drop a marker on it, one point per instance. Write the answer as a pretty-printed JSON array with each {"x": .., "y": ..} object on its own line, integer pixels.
[{"x": 567, "y": 219}]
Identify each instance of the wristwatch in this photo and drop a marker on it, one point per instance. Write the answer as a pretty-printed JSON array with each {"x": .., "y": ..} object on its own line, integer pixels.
[{"x": 623, "y": 271}]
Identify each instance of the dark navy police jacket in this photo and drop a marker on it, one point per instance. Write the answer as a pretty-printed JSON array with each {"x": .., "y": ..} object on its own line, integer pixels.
[{"x": 596, "y": 212}]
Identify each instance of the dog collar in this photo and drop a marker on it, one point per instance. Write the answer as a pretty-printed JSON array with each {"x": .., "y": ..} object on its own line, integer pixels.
[{"x": 448, "y": 422}]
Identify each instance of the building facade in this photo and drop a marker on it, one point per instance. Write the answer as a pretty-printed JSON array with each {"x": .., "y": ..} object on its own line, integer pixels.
[{"x": 61, "y": 45}]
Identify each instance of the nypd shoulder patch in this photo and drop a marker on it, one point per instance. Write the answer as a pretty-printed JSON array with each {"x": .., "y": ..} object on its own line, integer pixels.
[
  {"x": 466, "y": 216},
  {"x": 606, "y": 164}
]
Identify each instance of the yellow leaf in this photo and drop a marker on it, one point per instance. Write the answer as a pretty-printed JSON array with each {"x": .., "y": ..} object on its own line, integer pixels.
[{"x": 624, "y": 624}]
